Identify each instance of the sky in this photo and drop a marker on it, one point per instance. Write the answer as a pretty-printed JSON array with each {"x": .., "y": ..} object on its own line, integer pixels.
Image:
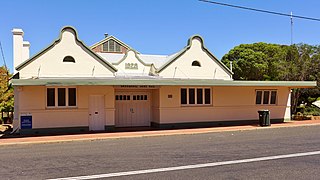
[{"x": 157, "y": 27}]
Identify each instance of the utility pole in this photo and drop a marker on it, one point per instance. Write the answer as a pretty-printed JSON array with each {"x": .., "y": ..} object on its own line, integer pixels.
[{"x": 291, "y": 19}]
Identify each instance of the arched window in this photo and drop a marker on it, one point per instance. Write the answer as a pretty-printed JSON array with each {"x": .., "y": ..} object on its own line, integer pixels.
[
  {"x": 196, "y": 63},
  {"x": 69, "y": 59}
]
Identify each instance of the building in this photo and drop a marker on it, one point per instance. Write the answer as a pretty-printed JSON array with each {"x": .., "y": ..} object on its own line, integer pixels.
[{"x": 69, "y": 86}]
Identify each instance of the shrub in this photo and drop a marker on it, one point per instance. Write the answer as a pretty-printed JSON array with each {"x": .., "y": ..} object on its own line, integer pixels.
[{"x": 311, "y": 110}]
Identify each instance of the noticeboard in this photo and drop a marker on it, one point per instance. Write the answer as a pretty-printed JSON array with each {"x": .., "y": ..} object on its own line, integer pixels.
[{"x": 26, "y": 122}]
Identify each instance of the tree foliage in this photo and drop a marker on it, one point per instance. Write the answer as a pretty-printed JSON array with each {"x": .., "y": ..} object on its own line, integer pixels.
[
  {"x": 262, "y": 61},
  {"x": 6, "y": 91}
]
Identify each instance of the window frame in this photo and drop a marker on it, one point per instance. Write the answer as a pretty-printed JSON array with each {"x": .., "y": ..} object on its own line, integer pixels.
[
  {"x": 195, "y": 97},
  {"x": 263, "y": 91},
  {"x": 56, "y": 98}
]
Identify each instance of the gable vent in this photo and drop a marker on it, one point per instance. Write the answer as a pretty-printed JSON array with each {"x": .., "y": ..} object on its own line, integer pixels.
[
  {"x": 69, "y": 59},
  {"x": 196, "y": 63}
]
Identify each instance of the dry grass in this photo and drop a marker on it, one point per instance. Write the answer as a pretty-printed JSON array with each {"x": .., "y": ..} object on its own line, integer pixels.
[{"x": 3, "y": 128}]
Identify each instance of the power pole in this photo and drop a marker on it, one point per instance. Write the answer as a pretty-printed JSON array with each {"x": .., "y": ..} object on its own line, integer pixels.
[{"x": 291, "y": 19}]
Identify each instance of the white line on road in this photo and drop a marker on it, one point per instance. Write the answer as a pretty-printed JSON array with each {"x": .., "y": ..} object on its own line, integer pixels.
[{"x": 195, "y": 166}]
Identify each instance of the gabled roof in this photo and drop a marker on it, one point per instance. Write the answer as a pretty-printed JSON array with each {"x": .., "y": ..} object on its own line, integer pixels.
[
  {"x": 28, "y": 61},
  {"x": 111, "y": 38},
  {"x": 185, "y": 49}
]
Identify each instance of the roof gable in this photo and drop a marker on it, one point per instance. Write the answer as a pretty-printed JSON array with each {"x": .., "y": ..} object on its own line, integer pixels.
[
  {"x": 67, "y": 34},
  {"x": 132, "y": 64},
  {"x": 108, "y": 38},
  {"x": 185, "y": 49}
]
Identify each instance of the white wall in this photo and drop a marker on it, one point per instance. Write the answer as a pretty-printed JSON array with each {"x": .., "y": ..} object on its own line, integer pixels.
[
  {"x": 181, "y": 67},
  {"x": 50, "y": 64},
  {"x": 130, "y": 57}
]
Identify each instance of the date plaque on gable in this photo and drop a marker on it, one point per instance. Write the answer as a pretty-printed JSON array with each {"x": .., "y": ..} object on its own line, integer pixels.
[{"x": 131, "y": 66}]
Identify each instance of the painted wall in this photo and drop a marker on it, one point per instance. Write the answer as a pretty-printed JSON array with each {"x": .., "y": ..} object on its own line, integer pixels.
[
  {"x": 33, "y": 100},
  {"x": 131, "y": 58},
  {"x": 17, "y": 47},
  {"x": 182, "y": 67},
  {"x": 50, "y": 64},
  {"x": 155, "y": 106},
  {"x": 228, "y": 103}
]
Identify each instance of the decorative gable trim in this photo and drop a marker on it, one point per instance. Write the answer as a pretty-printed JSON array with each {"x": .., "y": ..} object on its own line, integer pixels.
[
  {"x": 105, "y": 63},
  {"x": 185, "y": 49},
  {"x": 136, "y": 55}
]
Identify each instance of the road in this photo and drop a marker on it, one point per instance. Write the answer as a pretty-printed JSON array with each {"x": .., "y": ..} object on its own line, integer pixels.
[{"x": 73, "y": 159}]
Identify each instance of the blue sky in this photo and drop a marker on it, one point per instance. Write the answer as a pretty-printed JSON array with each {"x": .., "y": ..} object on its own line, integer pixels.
[{"x": 157, "y": 27}]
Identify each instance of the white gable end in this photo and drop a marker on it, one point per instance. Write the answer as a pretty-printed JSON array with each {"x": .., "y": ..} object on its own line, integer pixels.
[
  {"x": 130, "y": 65},
  {"x": 195, "y": 63},
  {"x": 50, "y": 63}
]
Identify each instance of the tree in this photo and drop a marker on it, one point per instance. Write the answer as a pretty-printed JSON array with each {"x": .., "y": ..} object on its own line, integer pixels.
[
  {"x": 262, "y": 61},
  {"x": 258, "y": 61},
  {"x": 6, "y": 91}
]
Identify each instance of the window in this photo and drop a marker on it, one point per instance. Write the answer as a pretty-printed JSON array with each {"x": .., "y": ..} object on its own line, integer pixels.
[
  {"x": 199, "y": 96},
  {"x": 266, "y": 97},
  {"x": 51, "y": 97},
  {"x": 72, "y": 97},
  {"x": 69, "y": 59},
  {"x": 196, "y": 63},
  {"x": 134, "y": 97},
  {"x": 195, "y": 96},
  {"x": 61, "y": 97},
  {"x": 111, "y": 46},
  {"x": 183, "y": 96}
]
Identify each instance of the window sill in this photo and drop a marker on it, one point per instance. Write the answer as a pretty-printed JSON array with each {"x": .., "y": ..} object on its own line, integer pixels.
[
  {"x": 196, "y": 105},
  {"x": 266, "y": 104},
  {"x": 62, "y": 107}
]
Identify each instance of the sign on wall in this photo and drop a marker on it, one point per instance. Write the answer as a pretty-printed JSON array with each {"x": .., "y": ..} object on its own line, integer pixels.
[
  {"x": 26, "y": 121},
  {"x": 136, "y": 87}
]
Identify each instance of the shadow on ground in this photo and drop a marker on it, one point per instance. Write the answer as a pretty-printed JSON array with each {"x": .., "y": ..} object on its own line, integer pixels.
[{"x": 8, "y": 129}]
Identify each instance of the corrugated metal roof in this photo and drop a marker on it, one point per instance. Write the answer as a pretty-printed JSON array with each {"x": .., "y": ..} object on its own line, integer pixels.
[
  {"x": 111, "y": 57},
  {"x": 156, "y": 81}
]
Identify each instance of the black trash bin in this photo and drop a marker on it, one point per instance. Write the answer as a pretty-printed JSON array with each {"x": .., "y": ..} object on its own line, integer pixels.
[{"x": 264, "y": 117}]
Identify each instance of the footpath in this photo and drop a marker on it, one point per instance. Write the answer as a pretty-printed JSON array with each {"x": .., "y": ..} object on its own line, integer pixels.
[{"x": 149, "y": 133}]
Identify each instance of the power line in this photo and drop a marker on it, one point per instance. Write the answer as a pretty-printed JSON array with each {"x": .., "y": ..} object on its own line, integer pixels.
[
  {"x": 261, "y": 10},
  {"x": 4, "y": 61}
]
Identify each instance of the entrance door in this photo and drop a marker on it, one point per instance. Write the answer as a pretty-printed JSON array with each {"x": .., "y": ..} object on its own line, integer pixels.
[
  {"x": 96, "y": 113},
  {"x": 132, "y": 109}
]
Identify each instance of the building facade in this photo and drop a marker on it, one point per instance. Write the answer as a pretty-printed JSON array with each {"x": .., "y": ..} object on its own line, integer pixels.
[{"x": 69, "y": 86}]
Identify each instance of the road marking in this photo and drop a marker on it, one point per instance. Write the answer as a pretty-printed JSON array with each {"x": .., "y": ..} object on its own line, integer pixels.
[{"x": 195, "y": 166}]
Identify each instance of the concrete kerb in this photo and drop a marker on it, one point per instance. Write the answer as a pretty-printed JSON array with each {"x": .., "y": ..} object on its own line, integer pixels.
[{"x": 120, "y": 135}]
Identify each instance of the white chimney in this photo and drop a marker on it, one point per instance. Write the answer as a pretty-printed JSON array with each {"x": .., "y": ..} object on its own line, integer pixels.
[
  {"x": 20, "y": 48},
  {"x": 25, "y": 50}
]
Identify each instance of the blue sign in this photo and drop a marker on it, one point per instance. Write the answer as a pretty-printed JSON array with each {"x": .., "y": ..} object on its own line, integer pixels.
[{"x": 26, "y": 122}]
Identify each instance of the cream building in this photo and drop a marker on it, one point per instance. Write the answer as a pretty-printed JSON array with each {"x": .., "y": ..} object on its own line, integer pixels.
[{"x": 69, "y": 86}]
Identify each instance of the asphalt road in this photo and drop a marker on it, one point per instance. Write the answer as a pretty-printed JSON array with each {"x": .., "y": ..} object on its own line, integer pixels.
[{"x": 69, "y": 159}]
